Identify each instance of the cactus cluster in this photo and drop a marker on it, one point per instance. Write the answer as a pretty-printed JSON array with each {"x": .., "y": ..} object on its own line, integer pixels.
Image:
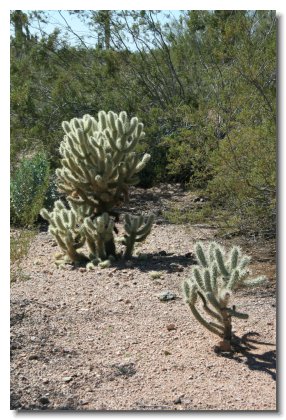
[
  {"x": 98, "y": 166},
  {"x": 215, "y": 278}
]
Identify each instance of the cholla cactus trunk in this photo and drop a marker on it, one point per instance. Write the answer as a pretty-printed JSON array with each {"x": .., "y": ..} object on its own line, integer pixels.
[
  {"x": 100, "y": 236},
  {"x": 214, "y": 280}
]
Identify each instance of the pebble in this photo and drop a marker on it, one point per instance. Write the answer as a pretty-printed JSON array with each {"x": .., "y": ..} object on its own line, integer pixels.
[
  {"x": 67, "y": 379},
  {"x": 44, "y": 400},
  {"x": 178, "y": 400},
  {"x": 165, "y": 296},
  {"x": 171, "y": 327},
  {"x": 33, "y": 357}
]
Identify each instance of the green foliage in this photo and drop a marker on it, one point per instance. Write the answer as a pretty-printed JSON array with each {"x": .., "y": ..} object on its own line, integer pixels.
[
  {"x": 214, "y": 280},
  {"x": 28, "y": 187},
  {"x": 245, "y": 177},
  {"x": 205, "y": 86}
]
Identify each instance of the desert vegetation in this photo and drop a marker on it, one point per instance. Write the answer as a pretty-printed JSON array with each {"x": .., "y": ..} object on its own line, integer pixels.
[{"x": 143, "y": 209}]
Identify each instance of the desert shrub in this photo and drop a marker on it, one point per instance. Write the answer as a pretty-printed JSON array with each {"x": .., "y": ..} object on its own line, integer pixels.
[
  {"x": 244, "y": 179},
  {"x": 28, "y": 187},
  {"x": 187, "y": 151},
  {"x": 20, "y": 242}
]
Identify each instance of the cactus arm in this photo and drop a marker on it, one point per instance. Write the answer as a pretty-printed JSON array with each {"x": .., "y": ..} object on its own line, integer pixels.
[
  {"x": 255, "y": 282},
  {"x": 220, "y": 262},
  {"x": 136, "y": 230},
  {"x": 205, "y": 323},
  {"x": 233, "y": 312},
  {"x": 208, "y": 309},
  {"x": 201, "y": 255}
]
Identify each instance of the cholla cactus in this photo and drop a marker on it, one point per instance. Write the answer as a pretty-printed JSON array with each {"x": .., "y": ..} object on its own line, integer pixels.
[
  {"x": 98, "y": 166},
  {"x": 99, "y": 162},
  {"x": 218, "y": 275},
  {"x": 137, "y": 228}
]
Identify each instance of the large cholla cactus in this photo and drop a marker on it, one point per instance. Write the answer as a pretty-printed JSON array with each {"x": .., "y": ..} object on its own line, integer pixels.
[
  {"x": 99, "y": 162},
  {"x": 98, "y": 165},
  {"x": 214, "y": 280}
]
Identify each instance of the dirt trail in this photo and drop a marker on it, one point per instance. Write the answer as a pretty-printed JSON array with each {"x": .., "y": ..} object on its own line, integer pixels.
[{"x": 103, "y": 340}]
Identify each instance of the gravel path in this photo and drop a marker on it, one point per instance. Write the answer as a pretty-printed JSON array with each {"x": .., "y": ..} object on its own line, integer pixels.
[{"x": 103, "y": 340}]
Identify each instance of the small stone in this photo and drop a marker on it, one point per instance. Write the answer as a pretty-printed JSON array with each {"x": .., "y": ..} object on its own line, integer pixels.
[
  {"x": 45, "y": 381},
  {"x": 167, "y": 353},
  {"x": 44, "y": 400},
  {"x": 165, "y": 296},
  {"x": 155, "y": 274},
  {"x": 82, "y": 269},
  {"x": 178, "y": 400},
  {"x": 127, "y": 301},
  {"x": 171, "y": 327},
  {"x": 33, "y": 357},
  {"x": 67, "y": 379}
]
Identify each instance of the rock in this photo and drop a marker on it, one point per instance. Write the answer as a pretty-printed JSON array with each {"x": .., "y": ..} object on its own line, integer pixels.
[
  {"x": 178, "y": 400},
  {"x": 34, "y": 357},
  {"x": 67, "y": 379},
  {"x": 82, "y": 269},
  {"x": 167, "y": 353},
  {"x": 155, "y": 274},
  {"x": 44, "y": 400},
  {"x": 171, "y": 327},
  {"x": 127, "y": 301},
  {"x": 165, "y": 296},
  {"x": 162, "y": 253}
]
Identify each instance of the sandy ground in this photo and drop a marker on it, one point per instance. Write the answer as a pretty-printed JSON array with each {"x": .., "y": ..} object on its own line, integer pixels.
[{"x": 103, "y": 340}]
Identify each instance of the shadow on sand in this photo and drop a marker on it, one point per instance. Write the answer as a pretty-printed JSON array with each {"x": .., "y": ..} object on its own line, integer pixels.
[{"x": 246, "y": 350}]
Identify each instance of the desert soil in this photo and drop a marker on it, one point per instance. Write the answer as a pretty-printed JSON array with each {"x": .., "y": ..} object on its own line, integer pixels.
[{"x": 103, "y": 340}]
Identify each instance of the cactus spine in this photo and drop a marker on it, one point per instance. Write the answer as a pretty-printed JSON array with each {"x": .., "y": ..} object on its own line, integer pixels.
[
  {"x": 214, "y": 280},
  {"x": 98, "y": 166}
]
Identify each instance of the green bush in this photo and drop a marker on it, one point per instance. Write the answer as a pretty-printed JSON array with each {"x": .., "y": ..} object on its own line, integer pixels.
[
  {"x": 28, "y": 187},
  {"x": 244, "y": 179}
]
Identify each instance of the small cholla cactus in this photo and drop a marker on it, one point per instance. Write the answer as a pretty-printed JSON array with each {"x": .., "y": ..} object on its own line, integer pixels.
[
  {"x": 214, "y": 280},
  {"x": 98, "y": 166}
]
